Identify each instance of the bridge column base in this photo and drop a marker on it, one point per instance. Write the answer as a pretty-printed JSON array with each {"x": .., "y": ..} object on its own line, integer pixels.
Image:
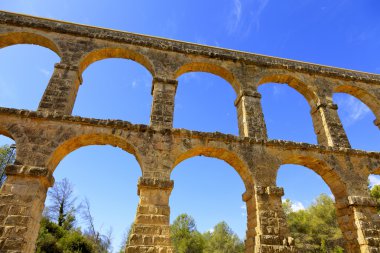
[
  {"x": 360, "y": 224},
  {"x": 22, "y": 198},
  {"x": 271, "y": 229},
  {"x": 151, "y": 229},
  {"x": 275, "y": 249}
]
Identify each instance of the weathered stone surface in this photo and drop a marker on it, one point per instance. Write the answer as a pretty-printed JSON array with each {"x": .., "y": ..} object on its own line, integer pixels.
[{"x": 44, "y": 137}]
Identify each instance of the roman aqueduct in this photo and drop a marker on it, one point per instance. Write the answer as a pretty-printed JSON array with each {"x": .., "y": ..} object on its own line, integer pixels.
[{"x": 44, "y": 137}]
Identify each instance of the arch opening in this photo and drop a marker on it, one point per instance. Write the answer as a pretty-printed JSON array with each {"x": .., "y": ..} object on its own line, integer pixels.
[
  {"x": 357, "y": 118},
  {"x": 25, "y": 72},
  {"x": 211, "y": 69},
  {"x": 7, "y": 153},
  {"x": 294, "y": 83},
  {"x": 229, "y": 157},
  {"x": 103, "y": 181},
  {"x": 205, "y": 102},
  {"x": 107, "y": 53},
  {"x": 208, "y": 189},
  {"x": 364, "y": 96},
  {"x": 287, "y": 113},
  {"x": 309, "y": 206},
  {"x": 374, "y": 187},
  {"x": 10, "y": 39},
  {"x": 110, "y": 83}
]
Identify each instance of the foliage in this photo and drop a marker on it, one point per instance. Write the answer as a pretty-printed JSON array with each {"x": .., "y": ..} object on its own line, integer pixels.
[
  {"x": 316, "y": 227},
  {"x": 186, "y": 238},
  {"x": 184, "y": 235},
  {"x": 58, "y": 233},
  {"x": 62, "y": 208},
  {"x": 375, "y": 193},
  {"x": 223, "y": 240},
  {"x": 7, "y": 156},
  {"x": 53, "y": 238}
]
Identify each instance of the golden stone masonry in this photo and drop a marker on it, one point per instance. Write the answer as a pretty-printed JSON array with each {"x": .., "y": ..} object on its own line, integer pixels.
[{"x": 44, "y": 137}]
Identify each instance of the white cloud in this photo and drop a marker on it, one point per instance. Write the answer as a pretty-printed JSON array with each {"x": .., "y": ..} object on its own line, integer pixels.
[
  {"x": 235, "y": 16},
  {"x": 211, "y": 230},
  {"x": 244, "y": 207},
  {"x": 358, "y": 109},
  {"x": 354, "y": 110},
  {"x": 374, "y": 180},
  {"x": 297, "y": 205},
  {"x": 245, "y": 14},
  {"x": 134, "y": 83},
  {"x": 256, "y": 14}
]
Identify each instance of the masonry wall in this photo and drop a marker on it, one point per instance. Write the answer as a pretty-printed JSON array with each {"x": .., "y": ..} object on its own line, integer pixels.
[{"x": 44, "y": 137}]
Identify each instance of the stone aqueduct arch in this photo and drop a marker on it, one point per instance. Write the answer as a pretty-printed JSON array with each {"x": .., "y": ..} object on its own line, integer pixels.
[{"x": 44, "y": 137}]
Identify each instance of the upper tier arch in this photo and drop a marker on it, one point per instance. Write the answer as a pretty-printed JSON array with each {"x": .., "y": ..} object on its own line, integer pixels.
[
  {"x": 296, "y": 83},
  {"x": 114, "y": 52},
  {"x": 15, "y": 38},
  {"x": 368, "y": 99},
  {"x": 209, "y": 68}
]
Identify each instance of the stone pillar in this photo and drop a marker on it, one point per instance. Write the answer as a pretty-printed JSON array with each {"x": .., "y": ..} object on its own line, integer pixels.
[
  {"x": 271, "y": 226},
  {"x": 249, "y": 199},
  {"x": 250, "y": 115},
  {"x": 163, "y": 92},
  {"x": 360, "y": 224},
  {"x": 22, "y": 199},
  {"x": 151, "y": 229},
  {"x": 328, "y": 127},
  {"x": 61, "y": 92}
]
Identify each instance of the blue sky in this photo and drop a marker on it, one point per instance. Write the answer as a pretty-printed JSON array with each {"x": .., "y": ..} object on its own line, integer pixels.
[{"x": 341, "y": 33}]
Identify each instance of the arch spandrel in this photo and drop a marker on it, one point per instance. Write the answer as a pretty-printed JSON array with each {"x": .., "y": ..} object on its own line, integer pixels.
[
  {"x": 69, "y": 145},
  {"x": 16, "y": 38},
  {"x": 365, "y": 166},
  {"x": 212, "y": 68},
  {"x": 230, "y": 157},
  {"x": 114, "y": 52}
]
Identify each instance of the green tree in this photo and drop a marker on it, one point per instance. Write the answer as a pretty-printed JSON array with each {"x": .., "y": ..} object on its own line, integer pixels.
[
  {"x": 57, "y": 232},
  {"x": 287, "y": 206},
  {"x": 184, "y": 235},
  {"x": 53, "y": 238},
  {"x": 7, "y": 156},
  {"x": 62, "y": 208},
  {"x": 223, "y": 240},
  {"x": 316, "y": 227},
  {"x": 375, "y": 193}
]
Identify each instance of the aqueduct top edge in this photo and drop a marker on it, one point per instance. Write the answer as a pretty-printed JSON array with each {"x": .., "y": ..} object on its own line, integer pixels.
[{"x": 51, "y": 25}]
